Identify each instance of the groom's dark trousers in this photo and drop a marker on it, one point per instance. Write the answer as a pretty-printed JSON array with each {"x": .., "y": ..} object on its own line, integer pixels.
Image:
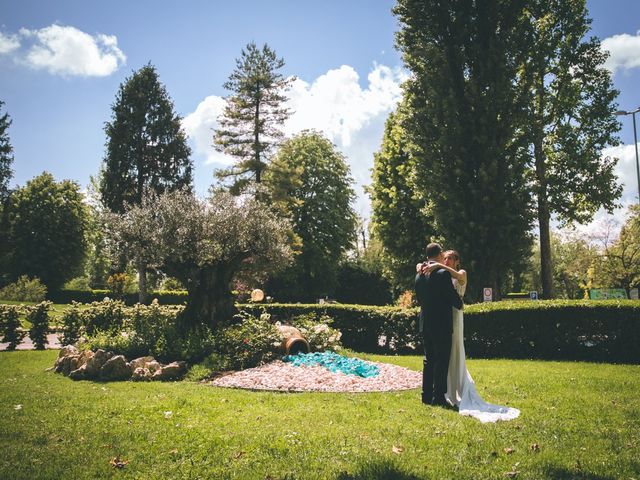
[{"x": 436, "y": 296}]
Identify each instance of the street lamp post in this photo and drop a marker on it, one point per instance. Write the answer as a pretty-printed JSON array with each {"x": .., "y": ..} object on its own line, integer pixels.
[{"x": 635, "y": 142}]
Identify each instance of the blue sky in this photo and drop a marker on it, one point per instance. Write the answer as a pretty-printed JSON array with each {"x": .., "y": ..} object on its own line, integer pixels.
[{"x": 63, "y": 61}]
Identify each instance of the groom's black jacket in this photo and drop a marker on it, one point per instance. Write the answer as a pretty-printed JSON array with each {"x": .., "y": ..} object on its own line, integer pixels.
[{"x": 436, "y": 296}]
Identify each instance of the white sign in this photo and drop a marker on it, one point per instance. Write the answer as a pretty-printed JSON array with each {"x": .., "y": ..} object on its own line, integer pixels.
[
  {"x": 633, "y": 294},
  {"x": 533, "y": 295},
  {"x": 487, "y": 293}
]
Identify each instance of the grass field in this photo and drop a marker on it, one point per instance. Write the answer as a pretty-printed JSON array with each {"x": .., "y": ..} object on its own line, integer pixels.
[{"x": 578, "y": 420}]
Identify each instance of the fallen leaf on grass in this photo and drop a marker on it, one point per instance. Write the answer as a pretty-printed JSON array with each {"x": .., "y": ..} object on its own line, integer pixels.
[
  {"x": 535, "y": 447},
  {"x": 514, "y": 471},
  {"x": 508, "y": 450},
  {"x": 173, "y": 452},
  {"x": 397, "y": 450},
  {"x": 238, "y": 455},
  {"x": 17, "y": 407},
  {"x": 168, "y": 414},
  {"x": 117, "y": 462}
]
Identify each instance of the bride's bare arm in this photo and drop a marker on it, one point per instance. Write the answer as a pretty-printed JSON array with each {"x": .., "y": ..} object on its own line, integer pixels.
[{"x": 460, "y": 275}]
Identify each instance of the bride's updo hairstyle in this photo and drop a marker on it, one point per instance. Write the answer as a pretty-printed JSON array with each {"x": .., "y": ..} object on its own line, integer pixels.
[{"x": 456, "y": 257}]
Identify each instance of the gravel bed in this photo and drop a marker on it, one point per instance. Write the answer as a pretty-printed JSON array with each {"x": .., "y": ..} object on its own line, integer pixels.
[{"x": 284, "y": 377}]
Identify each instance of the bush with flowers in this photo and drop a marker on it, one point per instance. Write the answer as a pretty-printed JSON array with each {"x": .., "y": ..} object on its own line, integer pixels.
[{"x": 317, "y": 330}]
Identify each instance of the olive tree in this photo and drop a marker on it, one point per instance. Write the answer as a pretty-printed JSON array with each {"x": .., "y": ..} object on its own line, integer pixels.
[{"x": 202, "y": 243}]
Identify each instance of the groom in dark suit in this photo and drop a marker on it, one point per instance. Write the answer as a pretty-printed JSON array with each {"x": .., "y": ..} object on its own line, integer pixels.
[{"x": 436, "y": 296}]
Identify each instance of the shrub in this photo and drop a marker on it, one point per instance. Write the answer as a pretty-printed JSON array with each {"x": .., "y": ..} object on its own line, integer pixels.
[
  {"x": 71, "y": 325},
  {"x": 78, "y": 283},
  {"x": 144, "y": 330},
  {"x": 316, "y": 329},
  {"x": 164, "y": 297},
  {"x": 250, "y": 342},
  {"x": 607, "y": 330},
  {"x": 24, "y": 289},
  {"x": 38, "y": 316},
  {"x": 10, "y": 323},
  {"x": 105, "y": 316}
]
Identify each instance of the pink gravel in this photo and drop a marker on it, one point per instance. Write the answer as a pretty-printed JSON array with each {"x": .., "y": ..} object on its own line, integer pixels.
[{"x": 284, "y": 377}]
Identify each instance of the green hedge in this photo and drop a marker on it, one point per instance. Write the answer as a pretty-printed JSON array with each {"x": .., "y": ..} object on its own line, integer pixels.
[
  {"x": 607, "y": 330},
  {"x": 165, "y": 297}
]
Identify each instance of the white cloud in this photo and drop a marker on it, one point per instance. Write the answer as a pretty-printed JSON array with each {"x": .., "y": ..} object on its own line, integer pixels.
[
  {"x": 334, "y": 103},
  {"x": 624, "y": 51},
  {"x": 8, "y": 43},
  {"x": 625, "y": 169},
  {"x": 626, "y": 172},
  {"x": 199, "y": 126},
  {"x": 67, "y": 51}
]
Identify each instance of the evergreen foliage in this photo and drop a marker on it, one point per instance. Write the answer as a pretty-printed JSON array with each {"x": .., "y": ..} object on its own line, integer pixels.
[
  {"x": 9, "y": 326},
  {"x": 250, "y": 125},
  {"x": 401, "y": 219},
  {"x": 146, "y": 148},
  {"x": 466, "y": 121},
  {"x": 6, "y": 156},
  {"x": 38, "y": 316}
]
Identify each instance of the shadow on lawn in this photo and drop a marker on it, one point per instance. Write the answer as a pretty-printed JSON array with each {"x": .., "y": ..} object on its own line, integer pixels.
[
  {"x": 562, "y": 473},
  {"x": 383, "y": 470}
]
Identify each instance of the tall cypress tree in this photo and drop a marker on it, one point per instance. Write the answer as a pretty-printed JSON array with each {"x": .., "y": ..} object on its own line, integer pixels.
[
  {"x": 466, "y": 121},
  {"x": 250, "y": 125},
  {"x": 6, "y": 156},
  {"x": 146, "y": 147},
  {"x": 571, "y": 120},
  {"x": 400, "y": 213}
]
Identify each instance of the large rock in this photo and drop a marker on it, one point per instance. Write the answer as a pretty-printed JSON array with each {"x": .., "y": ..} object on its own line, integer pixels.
[
  {"x": 79, "y": 373},
  {"x": 67, "y": 364},
  {"x": 68, "y": 350},
  {"x": 116, "y": 368},
  {"x": 153, "y": 366},
  {"x": 85, "y": 356},
  {"x": 141, "y": 374},
  {"x": 141, "y": 362},
  {"x": 96, "y": 362},
  {"x": 171, "y": 372}
]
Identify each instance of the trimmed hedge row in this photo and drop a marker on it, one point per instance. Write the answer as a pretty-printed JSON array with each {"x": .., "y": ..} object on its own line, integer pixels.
[
  {"x": 607, "y": 330},
  {"x": 165, "y": 297}
]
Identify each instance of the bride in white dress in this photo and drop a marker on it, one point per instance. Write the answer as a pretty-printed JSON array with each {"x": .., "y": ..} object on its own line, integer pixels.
[{"x": 461, "y": 389}]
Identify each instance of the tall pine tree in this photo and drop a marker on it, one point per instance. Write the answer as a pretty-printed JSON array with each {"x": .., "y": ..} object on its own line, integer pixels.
[
  {"x": 146, "y": 148},
  {"x": 250, "y": 125},
  {"x": 572, "y": 120},
  {"x": 467, "y": 124}
]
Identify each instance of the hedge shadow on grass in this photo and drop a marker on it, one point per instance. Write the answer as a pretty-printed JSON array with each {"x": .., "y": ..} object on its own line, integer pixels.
[{"x": 380, "y": 470}]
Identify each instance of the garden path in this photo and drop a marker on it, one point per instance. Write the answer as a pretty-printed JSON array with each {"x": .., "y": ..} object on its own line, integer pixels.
[{"x": 27, "y": 344}]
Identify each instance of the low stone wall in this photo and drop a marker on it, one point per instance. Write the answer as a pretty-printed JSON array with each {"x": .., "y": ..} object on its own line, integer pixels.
[{"x": 105, "y": 366}]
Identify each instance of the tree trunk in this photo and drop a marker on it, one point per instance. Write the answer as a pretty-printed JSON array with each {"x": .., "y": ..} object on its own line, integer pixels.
[
  {"x": 209, "y": 299},
  {"x": 544, "y": 213},
  {"x": 544, "y": 217},
  {"x": 142, "y": 283}
]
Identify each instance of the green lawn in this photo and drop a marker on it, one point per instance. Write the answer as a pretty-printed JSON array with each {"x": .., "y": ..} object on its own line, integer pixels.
[{"x": 585, "y": 419}]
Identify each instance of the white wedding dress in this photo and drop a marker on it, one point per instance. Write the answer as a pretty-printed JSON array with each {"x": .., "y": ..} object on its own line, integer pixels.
[{"x": 461, "y": 390}]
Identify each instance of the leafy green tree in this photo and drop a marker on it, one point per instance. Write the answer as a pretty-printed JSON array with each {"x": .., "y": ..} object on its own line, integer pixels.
[
  {"x": 146, "y": 148},
  {"x": 204, "y": 244},
  {"x": 6, "y": 156},
  {"x": 250, "y": 125},
  {"x": 311, "y": 183},
  {"x": 466, "y": 121},
  {"x": 571, "y": 120},
  {"x": 47, "y": 222},
  {"x": 620, "y": 265},
  {"x": 401, "y": 220},
  {"x": 575, "y": 261}
]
